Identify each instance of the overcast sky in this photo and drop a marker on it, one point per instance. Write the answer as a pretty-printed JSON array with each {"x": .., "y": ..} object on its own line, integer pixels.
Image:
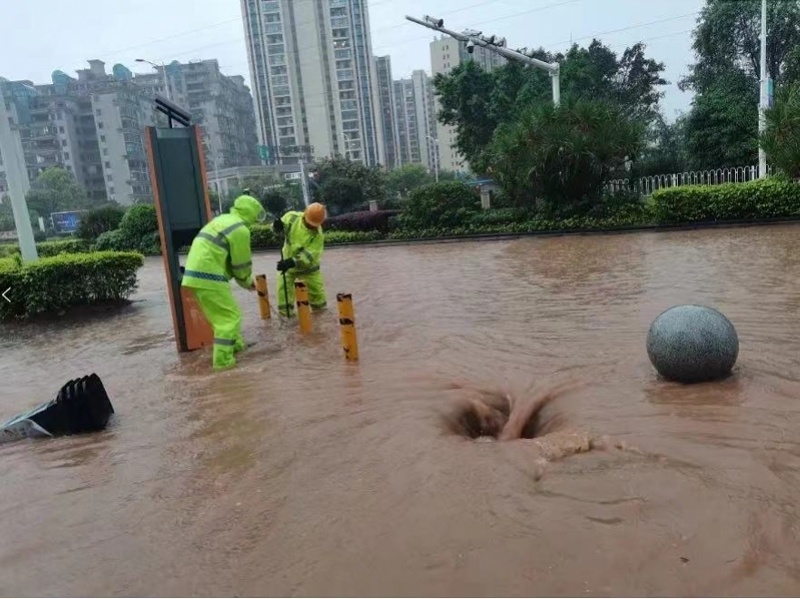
[{"x": 40, "y": 37}]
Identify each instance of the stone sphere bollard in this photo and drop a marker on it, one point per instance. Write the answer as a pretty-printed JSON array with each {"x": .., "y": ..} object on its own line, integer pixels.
[{"x": 692, "y": 344}]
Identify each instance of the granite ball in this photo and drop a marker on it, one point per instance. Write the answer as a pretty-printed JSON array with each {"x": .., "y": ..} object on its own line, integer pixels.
[{"x": 692, "y": 344}]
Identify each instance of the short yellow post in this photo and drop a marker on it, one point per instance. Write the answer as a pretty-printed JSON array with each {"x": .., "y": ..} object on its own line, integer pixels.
[
  {"x": 263, "y": 296},
  {"x": 347, "y": 323},
  {"x": 303, "y": 308}
]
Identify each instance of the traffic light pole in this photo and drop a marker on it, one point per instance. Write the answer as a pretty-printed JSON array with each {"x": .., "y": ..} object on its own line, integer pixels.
[{"x": 497, "y": 45}]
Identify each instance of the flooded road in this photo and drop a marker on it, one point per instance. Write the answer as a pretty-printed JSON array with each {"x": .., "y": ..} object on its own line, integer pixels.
[{"x": 300, "y": 474}]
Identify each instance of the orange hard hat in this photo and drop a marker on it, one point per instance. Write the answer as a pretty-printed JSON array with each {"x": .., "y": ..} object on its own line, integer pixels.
[{"x": 315, "y": 214}]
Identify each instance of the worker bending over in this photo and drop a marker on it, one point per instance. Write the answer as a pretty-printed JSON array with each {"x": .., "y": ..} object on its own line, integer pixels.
[
  {"x": 302, "y": 252},
  {"x": 221, "y": 251}
]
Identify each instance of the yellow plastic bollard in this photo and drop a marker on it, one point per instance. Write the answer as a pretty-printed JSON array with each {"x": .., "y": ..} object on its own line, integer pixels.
[
  {"x": 347, "y": 322},
  {"x": 263, "y": 297},
  {"x": 303, "y": 308}
]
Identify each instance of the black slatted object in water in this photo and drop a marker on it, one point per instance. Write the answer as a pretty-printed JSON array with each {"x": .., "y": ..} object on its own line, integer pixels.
[{"x": 81, "y": 406}]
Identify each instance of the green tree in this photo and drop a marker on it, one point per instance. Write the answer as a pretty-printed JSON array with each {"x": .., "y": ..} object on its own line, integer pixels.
[
  {"x": 559, "y": 158},
  {"x": 402, "y": 180},
  {"x": 781, "y": 140},
  {"x": 371, "y": 180},
  {"x": 448, "y": 204},
  {"x": 55, "y": 190},
  {"x": 341, "y": 195},
  {"x": 476, "y": 102},
  {"x": 664, "y": 150},
  {"x": 96, "y": 222},
  {"x": 723, "y": 123}
]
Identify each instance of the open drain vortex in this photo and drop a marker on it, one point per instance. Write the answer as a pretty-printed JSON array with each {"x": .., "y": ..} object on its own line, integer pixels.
[{"x": 495, "y": 416}]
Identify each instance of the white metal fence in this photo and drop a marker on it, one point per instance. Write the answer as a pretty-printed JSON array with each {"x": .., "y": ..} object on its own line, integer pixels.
[{"x": 647, "y": 185}]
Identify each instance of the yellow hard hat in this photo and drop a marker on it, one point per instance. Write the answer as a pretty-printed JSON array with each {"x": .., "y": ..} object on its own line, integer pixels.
[{"x": 315, "y": 214}]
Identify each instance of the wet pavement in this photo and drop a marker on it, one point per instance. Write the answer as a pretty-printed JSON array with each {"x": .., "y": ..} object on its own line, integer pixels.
[{"x": 300, "y": 474}]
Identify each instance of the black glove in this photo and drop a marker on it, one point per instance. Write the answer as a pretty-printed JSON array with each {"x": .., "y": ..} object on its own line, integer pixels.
[
  {"x": 277, "y": 226},
  {"x": 286, "y": 264}
]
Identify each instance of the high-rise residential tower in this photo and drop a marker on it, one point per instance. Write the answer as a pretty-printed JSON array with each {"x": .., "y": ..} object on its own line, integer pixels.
[{"x": 314, "y": 79}]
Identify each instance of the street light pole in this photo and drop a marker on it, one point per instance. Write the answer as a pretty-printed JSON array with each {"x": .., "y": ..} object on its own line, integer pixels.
[
  {"x": 763, "y": 99},
  {"x": 496, "y": 44},
  {"x": 163, "y": 68}
]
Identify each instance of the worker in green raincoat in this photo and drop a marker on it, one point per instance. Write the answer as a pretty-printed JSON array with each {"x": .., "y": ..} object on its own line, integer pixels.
[
  {"x": 300, "y": 259},
  {"x": 221, "y": 251}
]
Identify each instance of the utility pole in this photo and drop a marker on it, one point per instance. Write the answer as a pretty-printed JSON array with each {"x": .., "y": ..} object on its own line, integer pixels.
[
  {"x": 496, "y": 44},
  {"x": 18, "y": 182},
  {"x": 764, "y": 95}
]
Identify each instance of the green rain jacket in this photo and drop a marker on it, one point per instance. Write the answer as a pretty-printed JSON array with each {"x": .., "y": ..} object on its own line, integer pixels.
[
  {"x": 221, "y": 250},
  {"x": 302, "y": 243}
]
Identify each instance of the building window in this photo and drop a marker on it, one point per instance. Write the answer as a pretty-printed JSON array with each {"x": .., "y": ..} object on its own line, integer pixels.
[
  {"x": 110, "y": 178},
  {"x": 105, "y": 151},
  {"x": 98, "y": 112},
  {"x": 99, "y": 125},
  {"x": 111, "y": 190},
  {"x": 103, "y": 138},
  {"x": 61, "y": 129},
  {"x": 66, "y": 155},
  {"x": 108, "y": 164},
  {"x": 63, "y": 143}
]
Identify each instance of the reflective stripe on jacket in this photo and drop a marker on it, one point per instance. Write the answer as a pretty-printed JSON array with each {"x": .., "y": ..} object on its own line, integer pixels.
[{"x": 219, "y": 252}]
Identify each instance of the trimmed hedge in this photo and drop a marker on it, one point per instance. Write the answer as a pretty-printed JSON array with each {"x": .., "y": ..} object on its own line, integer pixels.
[
  {"x": 50, "y": 248},
  {"x": 58, "y": 283},
  {"x": 763, "y": 198},
  {"x": 262, "y": 237},
  {"x": 361, "y": 221}
]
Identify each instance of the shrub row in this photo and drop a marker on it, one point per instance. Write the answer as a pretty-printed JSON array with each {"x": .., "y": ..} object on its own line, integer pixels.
[
  {"x": 361, "y": 221},
  {"x": 766, "y": 198},
  {"x": 50, "y": 248},
  {"x": 58, "y": 283}
]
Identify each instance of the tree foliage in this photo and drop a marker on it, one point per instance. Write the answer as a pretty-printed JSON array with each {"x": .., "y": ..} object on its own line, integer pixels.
[
  {"x": 371, "y": 180},
  {"x": 94, "y": 223},
  {"x": 55, "y": 190},
  {"x": 477, "y": 102},
  {"x": 781, "y": 140},
  {"x": 723, "y": 123},
  {"x": 404, "y": 179},
  {"x": 340, "y": 194},
  {"x": 560, "y": 157}
]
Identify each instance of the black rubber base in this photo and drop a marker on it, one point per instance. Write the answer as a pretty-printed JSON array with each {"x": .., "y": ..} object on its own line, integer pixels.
[{"x": 81, "y": 406}]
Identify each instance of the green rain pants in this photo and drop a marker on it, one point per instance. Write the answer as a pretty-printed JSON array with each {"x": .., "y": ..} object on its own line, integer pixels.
[
  {"x": 223, "y": 314},
  {"x": 316, "y": 290}
]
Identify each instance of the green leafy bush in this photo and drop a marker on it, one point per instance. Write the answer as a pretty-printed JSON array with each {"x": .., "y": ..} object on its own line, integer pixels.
[
  {"x": 337, "y": 237},
  {"x": 47, "y": 249},
  {"x": 500, "y": 216},
  {"x": 262, "y": 237},
  {"x": 448, "y": 204},
  {"x": 781, "y": 140},
  {"x": 53, "y": 285},
  {"x": 763, "y": 198},
  {"x": 96, "y": 222},
  {"x": 561, "y": 156},
  {"x": 137, "y": 232},
  {"x": 361, "y": 221}
]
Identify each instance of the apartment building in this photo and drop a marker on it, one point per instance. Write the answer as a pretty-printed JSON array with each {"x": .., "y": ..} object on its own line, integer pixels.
[
  {"x": 93, "y": 124},
  {"x": 446, "y": 54},
  {"x": 416, "y": 120},
  {"x": 388, "y": 117},
  {"x": 222, "y": 106},
  {"x": 314, "y": 79}
]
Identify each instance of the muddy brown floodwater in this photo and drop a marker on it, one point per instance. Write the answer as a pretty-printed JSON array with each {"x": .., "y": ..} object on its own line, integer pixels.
[{"x": 300, "y": 474}]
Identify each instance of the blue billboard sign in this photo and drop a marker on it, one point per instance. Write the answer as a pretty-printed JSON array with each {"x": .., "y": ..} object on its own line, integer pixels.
[{"x": 66, "y": 222}]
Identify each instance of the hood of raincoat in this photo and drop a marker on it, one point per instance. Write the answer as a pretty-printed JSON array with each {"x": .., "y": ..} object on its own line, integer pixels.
[{"x": 248, "y": 209}]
